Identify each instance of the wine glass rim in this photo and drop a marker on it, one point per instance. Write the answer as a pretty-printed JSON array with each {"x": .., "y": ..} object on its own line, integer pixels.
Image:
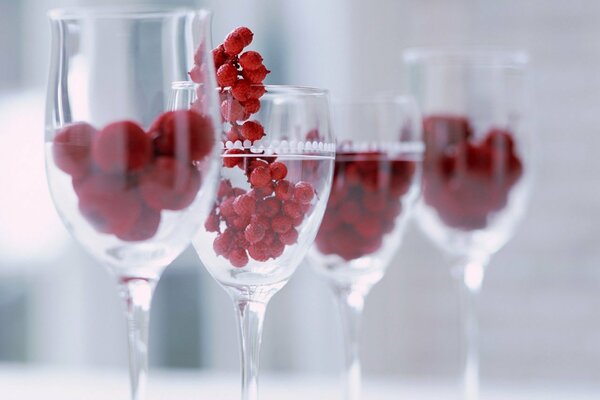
[
  {"x": 130, "y": 12},
  {"x": 378, "y": 98},
  {"x": 270, "y": 89},
  {"x": 471, "y": 55}
]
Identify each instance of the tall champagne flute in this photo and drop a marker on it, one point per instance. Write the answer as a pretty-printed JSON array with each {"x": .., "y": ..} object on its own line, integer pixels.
[
  {"x": 269, "y": 206},
  {"x": 477, "y": 165},
  {"x": 131, "y": 175},
  {"x": 375, "y": 183}
]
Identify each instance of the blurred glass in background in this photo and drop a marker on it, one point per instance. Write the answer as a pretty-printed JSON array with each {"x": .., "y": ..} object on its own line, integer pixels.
[{"x": 540, "y": 301}]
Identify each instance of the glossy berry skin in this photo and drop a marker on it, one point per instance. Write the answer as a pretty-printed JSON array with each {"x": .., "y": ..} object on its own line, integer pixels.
[
  {"x": 255, "y": 76},
  {"x": 252, "y": 130},
  {"x": 71, "y": 149},
  {"x": 245, "y": 34},
  {"x": 122, "y": 147},
  {"x": 251, "y": 60},
  {"x": 109, "y": 204},
  {"x": 183, "y": 134},
  {"x": 227, "y": 75},
  {"x": 169, "y": 185}
]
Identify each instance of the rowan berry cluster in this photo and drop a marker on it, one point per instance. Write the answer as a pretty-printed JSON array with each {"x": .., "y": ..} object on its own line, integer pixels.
[
  {"x": 125, "y": 176},
  {"x": 466, "y": 181},
  {"x": 364, "y": 202}
]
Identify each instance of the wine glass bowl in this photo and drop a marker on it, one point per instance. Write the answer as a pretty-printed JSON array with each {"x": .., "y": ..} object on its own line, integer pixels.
[
  {"x": 131, "y": 168},
  {"x": 375, "y": 184},
  {"x": 477, "y": 165},
  {"x": 272, "y": 193}
]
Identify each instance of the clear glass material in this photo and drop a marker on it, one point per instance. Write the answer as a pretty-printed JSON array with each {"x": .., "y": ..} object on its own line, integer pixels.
[
  {"x": 477, "y": 165},
  {"x": 375, "y": 184},
  {"x": 269, "y": 206},
  {"x": 130, "y": 177}
]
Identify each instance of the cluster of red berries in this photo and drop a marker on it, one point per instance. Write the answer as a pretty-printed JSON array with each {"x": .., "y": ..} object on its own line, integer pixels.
[
  {"x": 363, "y": 204},
  {"x": 260, "y": 222},
  {"x": 239, "y": 76},
  {"x": 124, "y": 176},
  {"x": 257, "y": 223},
  {"x": 466, "y": 181}
]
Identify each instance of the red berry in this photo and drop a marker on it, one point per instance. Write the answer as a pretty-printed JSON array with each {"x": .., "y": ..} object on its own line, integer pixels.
[
  {"x": 259, "y": 251},
  {"x": 240, "y": 222},
  {"x": 219, "y": 56},
  {"x": 292, "y": 209},
  {"x": 251, "y": 60},
  {"x": 256, "y": 91},
  {"x": 244, "y": 205},
  {"x": 169, "y": 184},
  {"x": 276, "y": 249},
  {"x": 238, "y": 257},
  {"x": 197, "y": 74},
  {"x": 226, "y": 207},
  {"x": 304, "y": 192},
  {"x": 144, "y": 228},
  {"x": 284, "y": 190},
  {"x": 261, "y": 176},
  {"x": 109, "y": 204},
  {"x": 251, "y": 106},
  {"x": 252, "y": 130},
  {"x": 369, "y": 227},
  {"x": 222, "y": 242},
  {"x": 232, "y": 111},
  {"x": 271, "y": 206},
  {"x": 254, "y": 233},
  {"x": 230, "y": 160},
  {"x": 183, "y": 134},
  {"x": 122, "y": 147},
  {"x": 278, "y": 170},
  {"x": 227, "y": 75},
  {"x": 289, "y": 238},
  {"x": 281, "y": 223},
  {"x": 233, "y": 134},
  {"x": 256, "y": 76},
  {"x": 245, "y": 33},
  {"x": 350, "y": 212},
  {"x": 225, "y": 188},
  {"x": 212, "y": 222},
  {"x": 71, "y": 148},
  {"x": 242, "y": 90},
  {"x": 233, "y": 44}
]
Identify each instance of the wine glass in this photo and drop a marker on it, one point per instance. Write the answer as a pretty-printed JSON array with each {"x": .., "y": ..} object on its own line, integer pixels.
[
  {"x": 477, "y": 165},
  {"x": 270, "y": 202},
  {"x": 131, "y": 170},
  {"x": 375, "y": 183}
]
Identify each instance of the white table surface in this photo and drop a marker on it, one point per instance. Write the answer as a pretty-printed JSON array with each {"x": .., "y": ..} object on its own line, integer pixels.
[{"x": 19, "y": 383}]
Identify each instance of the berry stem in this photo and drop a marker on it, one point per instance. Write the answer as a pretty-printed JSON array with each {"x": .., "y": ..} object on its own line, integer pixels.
[
  {"x": 250, "y": 309},
  {"x": 469, "y": 276},
  {"x": 137, "y": 296},
  {"x": 351, "y": 301}
]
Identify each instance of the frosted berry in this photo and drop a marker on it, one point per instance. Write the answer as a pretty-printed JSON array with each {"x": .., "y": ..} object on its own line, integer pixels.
[
  {"x": 212, "y": 222},
  {"x": 281, "y": 223},
  {"x": 71, "y": 148},
  {"x": 232, "y": 110},
  {"x": 276, "y": 249},
  {"x": 278, "y": 170},
  {"x": 233, "y": 134},
  {"x": 251, "y": 106},
  {"x": 197, "y": 74},
  {"x": 261, "y": 176},
  {"x": 226, "y": 207},
  {"x": 122, "y": 147},
  {"x": 224, "y": 189},
  {"x": 252, "y": 130},
  {"x": 256, "y": 76},
  {"x": 289, "y": 238},
  {"x": 242, "y": 90},
  {"x": 230, "y": 160},
  {"x": 226, "y": 75},
  {"x": 244, "y": 205},
  {"x": 238, "y": 257},
  {"x": 233, "y": 44},
  {"x": 304, "y": 192},
  {"x": 284, "y": 190},
  {"x": 244, "y": 33},
  {"x": 254, "y": 233},
  {"x": 219, "y": 56},
  {"x": 251, "y": 60},
  {"x": 259, "y": 252},
  {"x": 256, "y": 91},
  {"x": 292, "y": 209}
]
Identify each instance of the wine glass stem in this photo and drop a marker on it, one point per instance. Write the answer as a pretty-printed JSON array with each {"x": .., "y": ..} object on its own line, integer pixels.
[
  {"x": 250, "y": 314},
  {"x": 137, "y": 297},
  {"x": 351, "y": 302},
  {"x": 470, "y": 280}
]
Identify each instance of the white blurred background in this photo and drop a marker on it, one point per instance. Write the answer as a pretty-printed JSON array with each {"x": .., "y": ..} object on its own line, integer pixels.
[{"x": 540, "y": 305}]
